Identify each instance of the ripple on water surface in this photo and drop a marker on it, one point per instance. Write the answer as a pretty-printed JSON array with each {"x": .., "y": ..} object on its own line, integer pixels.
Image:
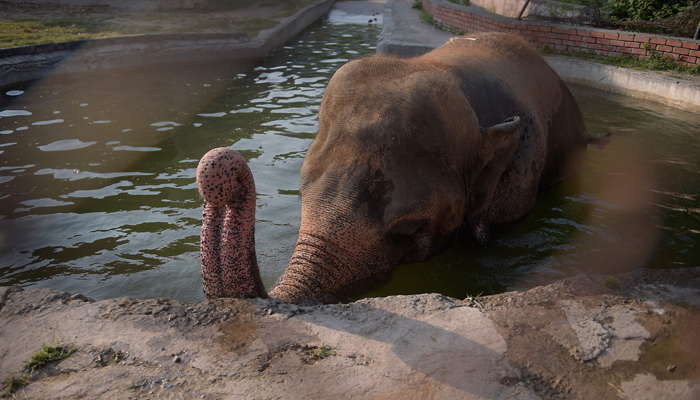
[
  {"x": 112, "y": 209},
  {"x": 109, "y": 207}
]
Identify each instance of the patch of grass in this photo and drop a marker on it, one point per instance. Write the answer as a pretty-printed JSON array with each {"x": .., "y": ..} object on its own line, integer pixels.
[
  {"x": 23, "y": 32},
  {"x": 55, "y": 351},
  {"x": 653, "y": 62},
  {"x": 424, "y": 15},
  {"x": 321, "y": 352},
  {"x": 13, "y": 383}
]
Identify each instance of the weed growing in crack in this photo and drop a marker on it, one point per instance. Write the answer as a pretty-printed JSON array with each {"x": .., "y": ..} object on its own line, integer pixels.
[
  {"x": 55, "y": 351},
  {"x": 321, "y": 352}
]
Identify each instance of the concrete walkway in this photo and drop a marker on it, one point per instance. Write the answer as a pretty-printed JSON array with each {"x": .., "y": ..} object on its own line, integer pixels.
[
  {"x": 627, "y": 337},
  {"x": 406, "y": 35}
]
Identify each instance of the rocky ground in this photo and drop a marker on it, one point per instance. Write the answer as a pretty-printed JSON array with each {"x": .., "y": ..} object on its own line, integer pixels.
[{"x": 632, "y": 336}]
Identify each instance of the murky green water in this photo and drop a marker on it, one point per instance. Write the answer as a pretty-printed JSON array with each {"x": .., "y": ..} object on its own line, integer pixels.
[{"x": 97, "y": 191}]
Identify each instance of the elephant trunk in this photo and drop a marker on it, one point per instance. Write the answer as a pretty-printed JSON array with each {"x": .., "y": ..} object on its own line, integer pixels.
[
  {"x": 229, "y": 263},
  {"x": 317, "y": 272},
  {"x": 228, "y": 259}
]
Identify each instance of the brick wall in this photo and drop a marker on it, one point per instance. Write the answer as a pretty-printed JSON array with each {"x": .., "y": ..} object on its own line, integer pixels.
[{"x": 566, "y": 37}]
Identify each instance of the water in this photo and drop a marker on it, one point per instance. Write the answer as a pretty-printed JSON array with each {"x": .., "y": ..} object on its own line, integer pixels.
[{"x": 98, "y": 195}]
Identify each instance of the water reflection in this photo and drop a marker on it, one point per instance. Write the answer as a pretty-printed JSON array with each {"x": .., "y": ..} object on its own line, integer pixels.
[{"x": 105, "y": 202}]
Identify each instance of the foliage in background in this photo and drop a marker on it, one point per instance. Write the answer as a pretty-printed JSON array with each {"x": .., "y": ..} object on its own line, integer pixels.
[{"x": 648, "y": 10}]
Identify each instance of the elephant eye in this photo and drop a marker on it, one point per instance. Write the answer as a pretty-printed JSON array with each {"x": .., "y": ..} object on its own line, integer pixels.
[{"x": 405, "y": 229}]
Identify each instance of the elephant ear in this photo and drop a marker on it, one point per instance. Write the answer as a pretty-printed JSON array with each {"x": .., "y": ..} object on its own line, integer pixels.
[{"x": 497, "y": 150}]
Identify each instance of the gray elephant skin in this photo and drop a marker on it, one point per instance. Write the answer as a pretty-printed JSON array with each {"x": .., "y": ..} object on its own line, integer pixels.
[{"x": 408, "y": 153}]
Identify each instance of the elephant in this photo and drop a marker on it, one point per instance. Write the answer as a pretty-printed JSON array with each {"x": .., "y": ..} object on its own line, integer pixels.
[{"x": 409, "y": 151}]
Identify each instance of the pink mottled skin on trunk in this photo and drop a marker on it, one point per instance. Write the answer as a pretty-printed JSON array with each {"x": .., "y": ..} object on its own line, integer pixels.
[{"x": 229, "y": 264}]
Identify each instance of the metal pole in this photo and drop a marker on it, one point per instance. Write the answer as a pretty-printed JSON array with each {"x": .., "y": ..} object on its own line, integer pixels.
[{"x": 528, "y": 2}]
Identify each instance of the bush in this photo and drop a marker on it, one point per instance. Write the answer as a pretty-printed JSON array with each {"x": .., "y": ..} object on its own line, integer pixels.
[{"x": 648, "y": 10}]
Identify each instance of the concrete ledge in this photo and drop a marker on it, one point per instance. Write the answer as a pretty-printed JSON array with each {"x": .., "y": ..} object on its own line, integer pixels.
[
  {"x": 25, "y": 63},
  {"x": 405, "y": 35},
  {"x": 647, "y": 85}
]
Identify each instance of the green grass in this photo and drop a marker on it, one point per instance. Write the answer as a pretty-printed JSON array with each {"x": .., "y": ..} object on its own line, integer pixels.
[
  {"x": 13, "y": 383},
  {"x": 325, "y": 350},
  {"x": 24, "y": 32},
  {"x": 424, "y": 15},
  {"x": 653, "y": 62},
  {"x": 55, "y": 351}
]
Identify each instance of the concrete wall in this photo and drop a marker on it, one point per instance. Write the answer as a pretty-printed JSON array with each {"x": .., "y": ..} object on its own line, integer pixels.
[
  {"x": 545, "y": 8},
  {"x": 23, "y": 63},
  {"x": 565, "y": 37}
]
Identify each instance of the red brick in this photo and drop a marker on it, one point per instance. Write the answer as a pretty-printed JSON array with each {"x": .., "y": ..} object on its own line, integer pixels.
[
  {"x": 626, "y": 37},
  {"x": 515, "y": 31},
  {"x": 681, "y": 51},
  {"x": 557, "y": 30},
  {"x": 690, "y": 60},
  {"x": 641, "y": 52},
  {"x": 658, "y": 41},
  {"x": 611, "y": 36},
  {"x": 623, "y": 50},
  {"x": 510, "y": 26},
  {"x": 583, "y": 33},
  {"x": 676, "y": 56},
  {"x": 589, "y": 40},
  {"x": 633, "y": 45},
  {"x": 691, "y": 46},
  {"x": 695, "y": 53},
  {"x": 561, "y": 47},
  {"x": 595, "y": 46},
  {"x": 545, "y": 29},
  {"x": 664, "y": 48},
  {"x": 617, "y": 43},
  {"x": 603, "y": 41},
  {"x": 570, "y": 31},
  {"x": 575, "y": 38},
  {"x": 674, "y": 43},
  {"x": 567, "y": 42},
  {"x": 550, "y": 35},
  {"x": 557, "y": 41},
  {"x": 538, "y": 34},
  {"x": 522, "y": 26},
  {"x": 601, "y": 52},
  {"x": 641, "y": 39},
  {"x": 609, "y": 48},
  {"x": 562, "y": 36},
  {"x": 579, "y": 44},
  {"x": 597, "y": 34}
]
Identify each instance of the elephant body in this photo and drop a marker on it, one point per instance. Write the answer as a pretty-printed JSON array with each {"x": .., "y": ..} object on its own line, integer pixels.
[{"x": 410, "y": 151}]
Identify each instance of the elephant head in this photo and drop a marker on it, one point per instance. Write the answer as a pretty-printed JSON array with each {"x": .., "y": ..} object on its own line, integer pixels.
[{"x": 399, "y": 164}]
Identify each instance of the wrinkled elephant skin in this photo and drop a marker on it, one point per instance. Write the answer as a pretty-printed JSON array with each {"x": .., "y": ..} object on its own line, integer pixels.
[{"x": 409, "y": 151}]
